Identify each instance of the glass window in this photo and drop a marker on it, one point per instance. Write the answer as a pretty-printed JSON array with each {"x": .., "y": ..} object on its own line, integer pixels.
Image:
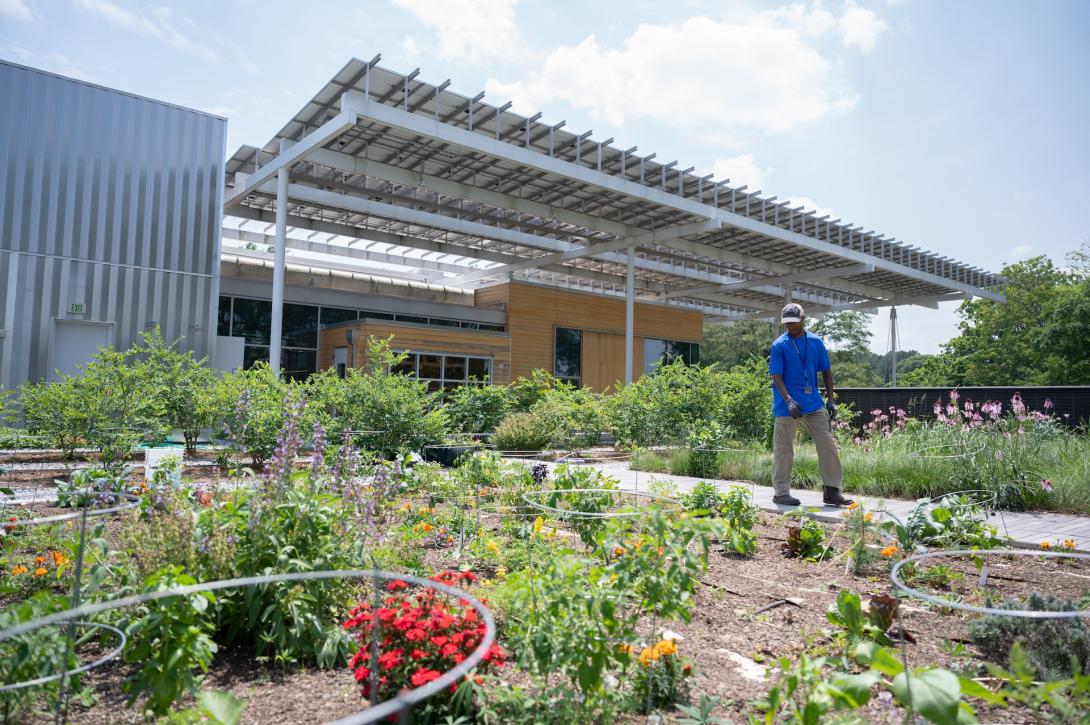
[
  {"x": 253, "y": 354},
  {"x": 333, "y": 315},
  {"x": 364, "y": 314},
  {"x": 412, "y": 318},
  {"x": 654, "y": 352},
  {"x": 568, "y": 358},
  {"x": 480, "y": 368},
  {"x": 431, "y": 367},
  {"x": 297, "y": 364},
  {"x": 445, "y": 323},
  {"x": 300, "y": 325},
  {"x": 694, "y": 353},
  {"x": 454, "y": 368},
  {"x": 252, "y": 319},
  {"x": 223, "y": 323},
  {"x": 491, "y": 328},
  {"x": 407, "y": 366}
]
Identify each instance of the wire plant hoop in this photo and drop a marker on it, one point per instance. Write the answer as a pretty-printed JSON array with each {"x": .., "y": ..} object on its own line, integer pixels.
[
  {"x": 925, "y": 453},
  {"x": 401, "y": 703},
  {"x": 530, "y": 498},
  {"x": 113, "y": 654},
  {"x": 895, "y": 577},
  {"x": 132, "y": 501}
]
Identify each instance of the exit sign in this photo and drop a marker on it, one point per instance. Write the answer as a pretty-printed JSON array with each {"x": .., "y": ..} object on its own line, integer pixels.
[{"x": 76, "y": 308}]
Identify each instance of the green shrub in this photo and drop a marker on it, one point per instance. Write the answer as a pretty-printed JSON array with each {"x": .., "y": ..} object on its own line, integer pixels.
[
  {"x": 1054, "y": 648},
  {"x": 249, "y": 408},
  {"x": 740, "y": 515},
  {"x": 806, "y": 540},
  {"x": 477, "y": 408},
  {"x": 573, "y": 417},
  {"x": 525, "y": 392},
  {"x": 37, "y": 653},
  {"x": 58, "y": 412},
  {"x": 170, "y": 639},
  {"x": 373, "y": 399},
  {"x": 705, "y": 442},
  {"x": 181, "y": 383},
  {"x": 703, "y": 499},
  {"x": 520, "y": 432}
]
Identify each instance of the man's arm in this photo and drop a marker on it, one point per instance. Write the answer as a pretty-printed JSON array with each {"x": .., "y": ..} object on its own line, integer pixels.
[
  {"x": 827, "y": 375},
  {"x": 792, "y": 407}
]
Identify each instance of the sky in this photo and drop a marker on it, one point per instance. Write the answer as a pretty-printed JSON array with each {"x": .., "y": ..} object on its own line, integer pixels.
[{"x": 955, "y": 125}]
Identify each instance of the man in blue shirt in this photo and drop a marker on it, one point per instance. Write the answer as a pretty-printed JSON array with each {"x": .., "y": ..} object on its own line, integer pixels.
[{"x": 796, "y": 358}]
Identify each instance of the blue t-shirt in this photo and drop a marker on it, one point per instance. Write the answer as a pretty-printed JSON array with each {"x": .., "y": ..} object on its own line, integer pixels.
[{"x": 798, "y": 360}]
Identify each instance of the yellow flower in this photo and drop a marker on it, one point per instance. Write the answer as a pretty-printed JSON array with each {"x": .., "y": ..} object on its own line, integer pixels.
[
  {"x": 627, "y": 648},
  {"x": 1069, "y": 543},
  {"x": 889, "y": 551},
  {"x": 539, "y": 524},
  {"x": 666, "y": 647},
  {"x": 501, "y": 572},
  {"x": 648, "y": 656},
  {"x": 1046, "y": 545},
  {"x": 40, "y": 571},
  {"x": 552, "y": 533},
  {"x": 493, "y": 547},
  {"x": 853, "y": 505},
  {"x": 868, "y": 516},
  {"x": 619, "y": 551},
  {"x": 18, "y": 569}
]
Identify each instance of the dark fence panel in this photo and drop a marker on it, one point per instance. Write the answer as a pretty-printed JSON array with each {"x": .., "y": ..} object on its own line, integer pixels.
[{"x": 1072, "y": 402}]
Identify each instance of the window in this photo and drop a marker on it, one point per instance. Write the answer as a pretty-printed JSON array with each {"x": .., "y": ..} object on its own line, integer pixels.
[
  {"x": 333, "y": 315},
  {"x": 568, "y": 355},
  {"x": 656, "y": 352},
  {"x": 446, "y": 372}
]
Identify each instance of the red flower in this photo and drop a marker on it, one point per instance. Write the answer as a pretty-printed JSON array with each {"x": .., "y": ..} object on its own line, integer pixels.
[
  {"x": 448, "y": 649},
  {"x": 439, "y": 640},
  {"x": 391, "y": 659},
  {"x": 423, "y": 677},
  {"x": 415, "y": 634},
  {"x": 418, "y": 654},
  {"x": 396, "y": 585},
  {"x": 363, "y": 674}
]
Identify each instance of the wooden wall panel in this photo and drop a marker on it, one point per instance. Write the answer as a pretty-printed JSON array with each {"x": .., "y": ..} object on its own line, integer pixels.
[
  {"x": 496, "y": 345},
  {"x": 603, "y": 360}
]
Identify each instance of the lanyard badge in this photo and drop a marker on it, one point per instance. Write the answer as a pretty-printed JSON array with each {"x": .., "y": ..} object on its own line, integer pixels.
[{"x": 803, "y": 359}]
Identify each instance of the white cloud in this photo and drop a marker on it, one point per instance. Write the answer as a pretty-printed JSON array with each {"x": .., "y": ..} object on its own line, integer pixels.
[
  {"x": 860, "y": 27},
  {"x": 52, "y": 62},
  {"x": 742, "y": 171},
  {"x": 16, "y": 9},
  {"x": 470, "y": 31},
  {"x": 163, "y": 25},
  {"x": 1020, "y": 252},
  {"x": 720, "y": 81},
  {"x": 809, "y": 204}
]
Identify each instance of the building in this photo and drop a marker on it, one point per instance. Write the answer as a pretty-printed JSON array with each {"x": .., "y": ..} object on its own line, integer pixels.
[
  {"x": 109, "y": 222},
  {"x": 485, "y": 243}
]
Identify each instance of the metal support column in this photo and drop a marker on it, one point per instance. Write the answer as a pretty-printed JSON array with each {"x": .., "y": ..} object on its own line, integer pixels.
[
  {"x": 278, "y": 268},
  {"x": 629, "y": 312},
  {"x": 893, "y": 346}
]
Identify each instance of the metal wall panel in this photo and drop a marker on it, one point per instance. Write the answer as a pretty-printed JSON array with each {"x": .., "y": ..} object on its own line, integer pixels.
[{"x": 106, "y": 199}]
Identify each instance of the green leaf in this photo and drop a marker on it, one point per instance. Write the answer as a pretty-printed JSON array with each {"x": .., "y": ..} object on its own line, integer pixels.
[
  {"x": 855, "y": 689},
  {"x": 932, "y": 693},
  {"x": 222, "y": 707},
  {"x": 972, "y": 688},
  {"x": 874, "y": 655}
]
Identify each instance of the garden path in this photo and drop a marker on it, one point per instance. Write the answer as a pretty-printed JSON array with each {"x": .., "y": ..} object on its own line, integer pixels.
[{"x": 1027, "y": 529}]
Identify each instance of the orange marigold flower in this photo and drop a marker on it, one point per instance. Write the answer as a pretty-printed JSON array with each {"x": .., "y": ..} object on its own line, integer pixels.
[
  {"x": 1045, "y": 545},
  {"x": 39, "y": 560},
  {"x": 1069, "y": 543},
  {"x": 40, "y": 571},
  {"x": 666, "y": 647},
  {"x": 853, "y": 505},
  {"x": 687, "y": 670},
  {"x": 58, "y": 558},
  {"x": 868, "y": 516},
  {"x": 18, "y": 569},
  {"x": 619, "y": 551},
  {"x": 889, "y": 551}
]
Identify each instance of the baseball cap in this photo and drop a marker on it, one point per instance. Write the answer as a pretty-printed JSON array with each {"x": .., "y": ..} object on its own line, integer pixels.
[{"x": 792, "y": 312}]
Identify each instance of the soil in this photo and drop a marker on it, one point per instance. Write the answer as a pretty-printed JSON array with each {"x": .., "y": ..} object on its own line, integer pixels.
[{"x": 748, "y": 613}]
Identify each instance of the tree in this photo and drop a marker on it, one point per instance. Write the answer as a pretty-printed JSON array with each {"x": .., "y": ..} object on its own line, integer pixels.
[
  {"x": 735, "y": 344},
  {"x": 847, "y": 335},
  {"x": 182, "y": 383}
]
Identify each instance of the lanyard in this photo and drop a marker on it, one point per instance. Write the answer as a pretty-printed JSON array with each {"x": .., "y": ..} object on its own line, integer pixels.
[{"x": 803, "y": 358}]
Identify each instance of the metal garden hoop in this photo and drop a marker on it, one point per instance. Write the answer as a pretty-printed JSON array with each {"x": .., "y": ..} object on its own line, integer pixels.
[
  {"x": 894, "y": 575},
  {"x": 393, "y": 706},
  {"x": 109, "y": 656}
]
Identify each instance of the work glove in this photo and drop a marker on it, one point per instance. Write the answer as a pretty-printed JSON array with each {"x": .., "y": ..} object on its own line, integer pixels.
[
  {"x": 831, "y": 407},
  {"x": 793, "y": 408}
]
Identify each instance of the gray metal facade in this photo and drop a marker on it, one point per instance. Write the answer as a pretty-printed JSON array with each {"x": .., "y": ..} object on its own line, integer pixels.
[{"x": 110, "y": 201}]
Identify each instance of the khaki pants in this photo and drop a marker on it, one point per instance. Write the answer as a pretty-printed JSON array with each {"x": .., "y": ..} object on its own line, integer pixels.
[{"x": 783, "y": 450}]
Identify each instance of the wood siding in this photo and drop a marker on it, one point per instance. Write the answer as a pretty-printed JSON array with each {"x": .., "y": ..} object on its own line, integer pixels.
[
  {"x": 535, "y": 311},
  {"x": 419, "y": 338}
]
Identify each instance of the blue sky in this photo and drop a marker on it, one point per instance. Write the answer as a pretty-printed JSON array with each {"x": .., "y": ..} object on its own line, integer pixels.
[{"x": 958, "y": 126}]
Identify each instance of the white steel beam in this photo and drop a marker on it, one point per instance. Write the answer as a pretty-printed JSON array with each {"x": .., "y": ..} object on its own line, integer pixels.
[
  {"x": 629, "y": 313},
  {"x": 445, "y": 133},
  {"x": 758, "y": 282},
  {"x": 864, "y": 306},
  {"x": 276, "y": 325}
]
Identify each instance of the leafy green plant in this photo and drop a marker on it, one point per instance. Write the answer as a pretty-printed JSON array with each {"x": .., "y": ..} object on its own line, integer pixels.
[
  {"x": 955, "y": 521},
  {"x": 703, "y": 499},
  {"x": 249, "y": 410},
  {"x": 806, "y": 540},
  {"x": 520, "y": 432},
  {"x": 740, "y": 515},
  {"x": 1052, "y": 648},
  {"x": 182, "y": 383},
  {"x": 704, "y": 444},
  {"x": 477, "y": 408},
  {"x": 83, "y": 485},
  {"x": 933, "y": 693},
  {"x": 35, "y": 654},
  {"x": 848, "y": 614},
  {"x": 1053, "y": 701},
  {"x": 662, "y": 677},
  {"x": 805, "y": 693},
  {"x": 170, "y": 638}
]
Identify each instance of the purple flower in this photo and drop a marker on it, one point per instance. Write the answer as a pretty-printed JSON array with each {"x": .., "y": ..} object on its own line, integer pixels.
[
  {"x": 1046, "y": 485},
  {"x": 1048, "y": 404}
]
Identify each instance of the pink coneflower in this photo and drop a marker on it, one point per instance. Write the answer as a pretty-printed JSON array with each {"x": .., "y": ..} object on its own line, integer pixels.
[
  {"x": 954, "y": 395},
  {"x": 1048, "y": 404},
  {"x": 1046, "y": 485}
]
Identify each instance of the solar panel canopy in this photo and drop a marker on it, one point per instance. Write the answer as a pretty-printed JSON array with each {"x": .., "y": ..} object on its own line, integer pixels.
[{"x": 482, "y": 194}]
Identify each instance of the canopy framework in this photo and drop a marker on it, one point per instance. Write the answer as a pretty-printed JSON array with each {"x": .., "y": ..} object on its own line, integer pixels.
[{"x": 381, "y": 153}]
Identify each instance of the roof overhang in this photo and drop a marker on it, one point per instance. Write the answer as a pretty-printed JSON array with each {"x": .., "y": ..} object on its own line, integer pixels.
[{"x": 378, "y": 155}]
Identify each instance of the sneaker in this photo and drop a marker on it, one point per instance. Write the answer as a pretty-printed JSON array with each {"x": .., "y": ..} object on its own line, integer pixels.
[
  {"x": 785, "y": 499},
  {"x": 833, "y": 497}
]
